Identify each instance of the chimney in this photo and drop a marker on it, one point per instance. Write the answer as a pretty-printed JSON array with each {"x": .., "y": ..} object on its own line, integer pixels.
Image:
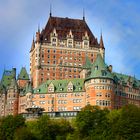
[{"x": 110, "y": 68}]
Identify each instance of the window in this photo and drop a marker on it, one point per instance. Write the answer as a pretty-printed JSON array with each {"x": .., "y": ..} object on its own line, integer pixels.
[
  {"x": 54, "y": 39},
  {"x": 103, "y": 102},
  {"x": 76, "y": 108},
  {"x": 42, "y": 96},
  {"x": 97, "y": 102},
  {"x": 104, "y": 73},
  {"x": 99, "y": 94},
  {"x": 107, "y": 95},
  {"x": 96, "y": 67},
  {"x": 54, "y": 62},
  {"x": 85, "y": 43}
]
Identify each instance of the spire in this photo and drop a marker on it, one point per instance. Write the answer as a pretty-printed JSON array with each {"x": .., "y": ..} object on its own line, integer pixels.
[
  {"x": 101, "y": 41},
  {"x": 38, "y": 28},
  {"x": 50, "y": 10},
  {"x": 33, "y": 44},
  {"x": 83, "y": 14}
]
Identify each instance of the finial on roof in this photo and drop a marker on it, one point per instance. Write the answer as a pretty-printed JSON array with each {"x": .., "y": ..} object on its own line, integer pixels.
[
  {"x": 38, "y": 28},
  {"x": 83, "y": 14},
  {"x": 101, "y": 41},
  {"x": 50, "y": 10}
]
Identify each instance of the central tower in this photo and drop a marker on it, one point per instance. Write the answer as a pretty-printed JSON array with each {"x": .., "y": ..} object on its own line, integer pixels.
[{"x": 59, "y": 51}]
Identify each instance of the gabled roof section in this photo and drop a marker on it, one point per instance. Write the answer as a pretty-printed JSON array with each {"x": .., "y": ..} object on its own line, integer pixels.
[
  {"x": 61, "y": 86},
  {"x": 64, "y": 25},
  {"x": 99, "y": 69},
  {"x": 70, "y": 84},
  {"x": 7, "y": 76},
  {"x": 23, "y": 74}
]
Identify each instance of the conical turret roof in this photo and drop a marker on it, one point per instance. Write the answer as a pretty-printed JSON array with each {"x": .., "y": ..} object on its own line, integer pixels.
[{"x": 99, "y": 69}]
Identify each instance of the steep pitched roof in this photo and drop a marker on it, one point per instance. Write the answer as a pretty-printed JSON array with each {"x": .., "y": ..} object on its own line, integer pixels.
[
  {"x": 99, "y": 69},
  {"x": 23, "y": 74},
  {"x": 61, "y": 86},
  {"x": 101, "y": 42},
  {"x": 63, "y": 27},
  {"x": 7, "y": 76},
  {"x": 88, "y": 63}
]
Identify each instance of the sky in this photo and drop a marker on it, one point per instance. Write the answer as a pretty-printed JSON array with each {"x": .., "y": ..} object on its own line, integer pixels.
[{"x": 118, "y": 20}]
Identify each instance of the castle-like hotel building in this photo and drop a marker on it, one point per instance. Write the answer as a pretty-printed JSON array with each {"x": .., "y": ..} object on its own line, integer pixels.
[{"x": 67, "y": 72}]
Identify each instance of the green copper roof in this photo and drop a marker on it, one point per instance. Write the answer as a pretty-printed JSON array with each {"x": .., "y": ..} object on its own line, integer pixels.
[
  {"x": 99, "y": 69},
  {"x": 7, "y": 76},
  {"x": 124, "y": 79},
  {"x": 23, "y": 74},
  {"x": 88, "y": 63},
  {"x": 61, "y": 86},
  {"x": 28, "y": 88}
]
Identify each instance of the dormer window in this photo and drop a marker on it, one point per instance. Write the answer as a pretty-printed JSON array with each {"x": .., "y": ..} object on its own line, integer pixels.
[
  {"x": 54, "y": 41},
  {"x": 70, "y": 87},
  {"x": 51, "y": 88},
  {"x": 70, "y": 40},
  {"x": 61, "y": 89},
  {"x": 104, "y": 73},
  {"x": 69, "y": 43},
  {"x": 38, "y": 90},
  {"x": 54, "y": 38},
  {"x": 86, "y": 41},
  {"x": 96, "y": 67}
]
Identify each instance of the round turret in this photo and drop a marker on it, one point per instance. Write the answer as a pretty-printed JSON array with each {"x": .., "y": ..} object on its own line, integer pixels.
[{"x": 99, "y": 85}]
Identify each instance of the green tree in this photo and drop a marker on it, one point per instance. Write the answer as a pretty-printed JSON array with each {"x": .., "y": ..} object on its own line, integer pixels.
[
  {"x": 48, "y": 128},
  {"x": 9, "y": 125},
  {"x": 128, "y": 125},
  {"x": 92, "y": 122},
  {"x": 24, "y": 133},
  {"x": 65, "y": 128},
  {"x": 33, "y": 127}
]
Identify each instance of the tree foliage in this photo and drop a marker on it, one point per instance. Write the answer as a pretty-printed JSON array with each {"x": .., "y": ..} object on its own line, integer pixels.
[
  {"x": 9, "y": 125},
  {"x": 91, "y": 123}
]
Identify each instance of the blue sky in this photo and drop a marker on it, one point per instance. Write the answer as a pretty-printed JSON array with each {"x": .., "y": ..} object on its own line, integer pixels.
[{"x": 119, "y": 21}]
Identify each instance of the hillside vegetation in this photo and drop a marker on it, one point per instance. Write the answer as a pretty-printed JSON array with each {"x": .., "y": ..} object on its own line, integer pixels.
[{"x": 91, "y": 123}]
